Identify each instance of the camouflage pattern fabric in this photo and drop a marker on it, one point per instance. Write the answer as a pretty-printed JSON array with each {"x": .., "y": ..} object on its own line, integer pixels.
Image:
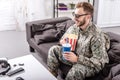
[{"x": 91, "y": 49}]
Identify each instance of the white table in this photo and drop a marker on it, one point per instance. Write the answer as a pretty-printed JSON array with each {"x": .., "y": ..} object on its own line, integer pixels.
[{"x": 34, "y": 70}]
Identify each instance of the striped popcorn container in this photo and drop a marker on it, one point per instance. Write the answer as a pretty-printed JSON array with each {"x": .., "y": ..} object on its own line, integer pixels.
[
  {"x": 72, "y": 40},
  {"x": 73, "y": 43}
]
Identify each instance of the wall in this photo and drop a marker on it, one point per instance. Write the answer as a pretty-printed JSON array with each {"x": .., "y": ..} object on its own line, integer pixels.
[
  {"x": 7, "y": 21},
  {"x": 107, "y": 13},
  {"x": 15, "y": 13},
  {"x": 29, "y": 10}
]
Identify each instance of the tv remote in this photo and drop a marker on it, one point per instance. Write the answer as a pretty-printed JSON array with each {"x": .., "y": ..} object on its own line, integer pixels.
[{"x": 15, "y": 71}]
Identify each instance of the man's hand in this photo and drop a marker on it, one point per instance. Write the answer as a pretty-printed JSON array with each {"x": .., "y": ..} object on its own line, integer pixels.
[
  {"x": 70, "y": 56},
  {"x": 62, "y": 41}
]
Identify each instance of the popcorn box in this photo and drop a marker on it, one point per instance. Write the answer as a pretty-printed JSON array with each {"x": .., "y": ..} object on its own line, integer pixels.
[{"x": 72, "y": 39}]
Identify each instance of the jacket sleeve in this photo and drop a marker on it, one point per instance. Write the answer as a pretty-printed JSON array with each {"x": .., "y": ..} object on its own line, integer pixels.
[{"x": 99, "y": 53}]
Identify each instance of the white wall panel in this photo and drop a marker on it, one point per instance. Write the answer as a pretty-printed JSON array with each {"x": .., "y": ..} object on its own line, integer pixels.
[
  {"x": 107, "y": 13},
  {"x": 7, "y": 21},
  {"x": 35, "y": 9},
  {"x": 15, "y": 13},
  {"x": 20, "y": 10}
]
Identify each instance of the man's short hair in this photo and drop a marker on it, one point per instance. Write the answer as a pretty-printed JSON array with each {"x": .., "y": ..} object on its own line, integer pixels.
[{"x": 87, "y": 7}]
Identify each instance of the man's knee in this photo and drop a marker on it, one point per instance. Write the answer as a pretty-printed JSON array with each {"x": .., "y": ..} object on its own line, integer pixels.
[
  {"x": 79, "y": 72},
  {"x": 76, "y": 73},
  {"x": 54, "y": 48},
  {"x": 54, "y": 52}
]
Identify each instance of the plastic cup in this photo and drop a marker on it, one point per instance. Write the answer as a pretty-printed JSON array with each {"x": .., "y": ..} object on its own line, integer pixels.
[{"x": 66, "y": 48}]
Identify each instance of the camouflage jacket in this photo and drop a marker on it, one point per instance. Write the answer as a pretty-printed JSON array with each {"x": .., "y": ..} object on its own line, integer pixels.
[{"x": 92, "y": 46}]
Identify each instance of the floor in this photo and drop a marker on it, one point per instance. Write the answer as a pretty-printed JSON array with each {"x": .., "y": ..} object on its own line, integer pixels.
[{"x": 13, "y": 44}]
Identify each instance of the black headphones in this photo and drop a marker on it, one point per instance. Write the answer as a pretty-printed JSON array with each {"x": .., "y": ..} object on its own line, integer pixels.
[{"x": 4, "y": 67}]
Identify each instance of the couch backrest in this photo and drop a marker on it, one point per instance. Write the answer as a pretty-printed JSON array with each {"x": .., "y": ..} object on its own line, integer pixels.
[
  {"x": 50, "y": 32},
  {"x": 29, "y": 25}
]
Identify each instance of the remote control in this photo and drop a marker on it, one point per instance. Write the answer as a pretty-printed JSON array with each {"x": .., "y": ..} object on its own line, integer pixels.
[{"x": 15, "y": 71}]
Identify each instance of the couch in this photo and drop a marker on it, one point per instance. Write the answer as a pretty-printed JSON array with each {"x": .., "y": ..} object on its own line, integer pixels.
[{"x": 42, "y": 34}]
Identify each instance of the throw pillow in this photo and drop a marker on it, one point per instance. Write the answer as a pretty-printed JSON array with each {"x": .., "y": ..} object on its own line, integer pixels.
[{"x": 47, "y": 35}]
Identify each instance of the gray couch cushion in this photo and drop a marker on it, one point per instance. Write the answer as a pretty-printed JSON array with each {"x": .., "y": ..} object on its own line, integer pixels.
[
  {"x": 114, "y": 51},
  {"x": 46, "y": 36},
  {"x": 44, "y": 47},
  {"x": 62, "y": 27},
  {"x": 50, "y": 33},
  {"x": 41, "y": 27}
]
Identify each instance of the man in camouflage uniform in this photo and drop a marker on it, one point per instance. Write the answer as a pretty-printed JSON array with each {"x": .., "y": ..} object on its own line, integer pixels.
[{"x": 90, "y": 54}]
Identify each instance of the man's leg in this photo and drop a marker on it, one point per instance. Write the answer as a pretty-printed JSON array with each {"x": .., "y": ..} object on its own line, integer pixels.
[
  {"x": 53, "y": 59},
  {"x": 79, "y": 72}
]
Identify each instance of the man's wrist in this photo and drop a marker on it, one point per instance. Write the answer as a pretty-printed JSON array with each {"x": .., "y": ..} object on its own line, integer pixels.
[{"x": 76, "y": 59}]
